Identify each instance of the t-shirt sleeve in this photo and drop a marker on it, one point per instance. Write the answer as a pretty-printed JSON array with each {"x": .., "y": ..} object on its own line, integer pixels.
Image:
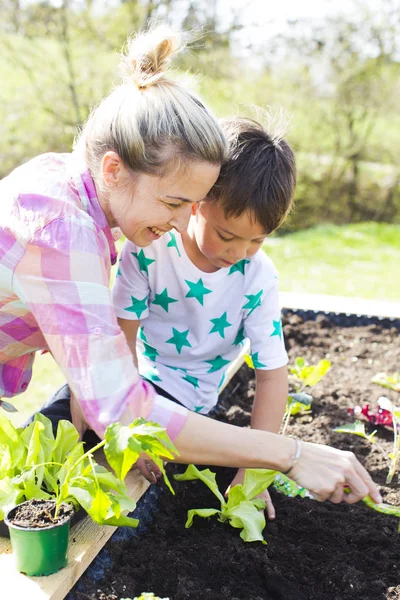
[
  {"x": 262, "y": 318},
  {"x": 63, "y": 278},
  {"x": 131, "y": 290}
]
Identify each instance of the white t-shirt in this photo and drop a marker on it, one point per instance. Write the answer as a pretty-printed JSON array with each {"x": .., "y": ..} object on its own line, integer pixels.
[{"x": 193, "y": 323}]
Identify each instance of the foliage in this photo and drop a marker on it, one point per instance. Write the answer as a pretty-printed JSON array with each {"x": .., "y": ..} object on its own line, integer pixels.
[
  {"x": 304, "y": 375},
  {"x": 390, "y": 382},
  {"x": 388, "y": 415},
  {"x": 35, "y": 464},
  {"x": 242, "y": 508}
]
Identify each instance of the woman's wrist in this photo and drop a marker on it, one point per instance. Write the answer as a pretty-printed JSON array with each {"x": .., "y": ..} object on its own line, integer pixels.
[{"x": 294, "y": 458}]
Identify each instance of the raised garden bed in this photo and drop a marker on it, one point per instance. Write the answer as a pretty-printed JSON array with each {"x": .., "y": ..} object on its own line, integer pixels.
[{"x": 315, "y": 551}]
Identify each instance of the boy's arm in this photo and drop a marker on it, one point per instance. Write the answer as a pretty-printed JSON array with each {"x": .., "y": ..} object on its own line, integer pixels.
[
  {"x": 270, "y": 399},
  {"x": 130, "y": 329}
]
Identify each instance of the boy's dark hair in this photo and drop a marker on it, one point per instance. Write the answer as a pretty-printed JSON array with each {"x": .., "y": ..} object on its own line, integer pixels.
[{"x": 259, "y": 175}]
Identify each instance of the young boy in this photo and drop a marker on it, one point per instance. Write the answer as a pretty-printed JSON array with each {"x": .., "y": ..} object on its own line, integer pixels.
[{"x": 187, "y": 302}]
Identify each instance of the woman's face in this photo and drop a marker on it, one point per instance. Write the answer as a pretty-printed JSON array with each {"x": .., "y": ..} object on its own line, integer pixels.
[{"x": 147, "y": 206}]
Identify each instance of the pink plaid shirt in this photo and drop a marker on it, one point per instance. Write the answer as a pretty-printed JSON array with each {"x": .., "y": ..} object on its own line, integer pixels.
[{"x": 56, "y": 251}]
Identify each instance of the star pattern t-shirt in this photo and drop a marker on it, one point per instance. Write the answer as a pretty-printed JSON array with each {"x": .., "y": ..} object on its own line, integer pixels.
[{"x": 193, "y": 324}]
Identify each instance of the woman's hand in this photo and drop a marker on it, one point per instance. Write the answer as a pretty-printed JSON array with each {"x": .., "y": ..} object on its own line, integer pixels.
[
  {"x": 327, "y": 471},
  {"x": 269, "y": 507}
]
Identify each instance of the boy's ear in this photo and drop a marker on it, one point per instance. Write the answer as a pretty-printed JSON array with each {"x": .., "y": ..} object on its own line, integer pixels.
[{"x": 194, "y": 208}]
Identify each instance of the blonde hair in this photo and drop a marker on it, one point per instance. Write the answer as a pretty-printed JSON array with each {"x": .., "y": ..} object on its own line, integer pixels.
[{"x": 151, "y": 121}]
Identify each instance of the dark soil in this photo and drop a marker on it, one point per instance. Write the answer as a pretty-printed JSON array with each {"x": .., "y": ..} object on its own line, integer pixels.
[
  {"x": 315, "y": 551},
  {"x": 38, "y": 514}
]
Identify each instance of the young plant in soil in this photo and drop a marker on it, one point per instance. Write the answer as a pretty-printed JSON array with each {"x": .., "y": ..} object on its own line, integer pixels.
[
  {"x": 388, "y": 415},
  {"x": 304, "y": 376},
  {"x": 36, "y": 465},
  {"x": 241, "y": 509}
]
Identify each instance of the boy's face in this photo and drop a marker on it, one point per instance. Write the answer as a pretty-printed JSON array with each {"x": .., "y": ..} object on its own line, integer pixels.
[{"x": 224, "y": 241}]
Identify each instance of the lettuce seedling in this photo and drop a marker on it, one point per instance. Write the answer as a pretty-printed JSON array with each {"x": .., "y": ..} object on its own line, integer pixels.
[
  {"x": 35, "y": 464},
  {"x": 304, "y": 375},
  {"x": 390, "y": 382},
  {"x": 358, "y": 428},
  {"x": 241, "y": 509}
]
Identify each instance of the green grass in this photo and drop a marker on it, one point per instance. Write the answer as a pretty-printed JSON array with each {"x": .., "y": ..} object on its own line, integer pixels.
[
  {"x": 355, "y": 260},
  {"x": 360, "y": 260}
]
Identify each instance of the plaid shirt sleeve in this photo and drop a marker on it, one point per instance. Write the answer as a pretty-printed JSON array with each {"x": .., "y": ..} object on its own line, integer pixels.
[{"x": 63, "y": 278}]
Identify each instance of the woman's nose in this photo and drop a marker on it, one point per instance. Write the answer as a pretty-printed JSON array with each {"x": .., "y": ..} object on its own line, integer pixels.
[{"x": 180, "y": 220}]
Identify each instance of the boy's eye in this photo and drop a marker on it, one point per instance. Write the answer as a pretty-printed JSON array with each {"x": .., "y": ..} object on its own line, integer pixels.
[{"x": 224, "y": 238}]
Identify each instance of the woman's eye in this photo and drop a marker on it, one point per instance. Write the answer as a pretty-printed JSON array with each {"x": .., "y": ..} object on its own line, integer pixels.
[{"x": 173, "y": 205}]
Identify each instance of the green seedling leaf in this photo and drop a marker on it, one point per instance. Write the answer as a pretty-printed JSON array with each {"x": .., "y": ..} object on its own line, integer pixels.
[
  {"x": 121, "y": 449},
  {"x": 250, "y": 519},
  {"x": 310, "y": 375},
  {"x": 357, "y": 428},
  {"x": 391, "y": 382},
  {"x": 13, "y": 445},
  {"x": 236, "y": 495},
  {"x": 386, "y": 509},
  {"x": 206, "y": 476},
  {"x": 10, "y": 495},
  {"x": 200, "y": 512},
  {"x": 296, "y": 403},
  {"x": 66, "y": 439},
  {"x": 256, "y": 481},
  {"x": 316, "y": 373}
]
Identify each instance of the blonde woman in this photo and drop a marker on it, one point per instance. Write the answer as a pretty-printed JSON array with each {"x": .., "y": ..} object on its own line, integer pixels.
[{"x": 148, "y": 152}]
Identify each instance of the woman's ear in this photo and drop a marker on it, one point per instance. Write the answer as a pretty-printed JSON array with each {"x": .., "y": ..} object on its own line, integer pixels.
[{"x": 111, "y": 169}]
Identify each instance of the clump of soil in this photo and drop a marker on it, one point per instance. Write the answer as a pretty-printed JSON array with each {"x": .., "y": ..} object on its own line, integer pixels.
[
  {"x": 37, "y": 514},
  {"x": 315, "y": 551}
]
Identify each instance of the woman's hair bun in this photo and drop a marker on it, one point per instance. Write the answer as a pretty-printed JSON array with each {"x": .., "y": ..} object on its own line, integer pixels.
[{"x": 149, "y": 54}]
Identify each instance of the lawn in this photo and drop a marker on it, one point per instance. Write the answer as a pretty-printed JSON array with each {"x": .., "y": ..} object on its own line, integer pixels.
[
  {"x": 356, "y": 260},
  {"x": 360, "y": 260}
]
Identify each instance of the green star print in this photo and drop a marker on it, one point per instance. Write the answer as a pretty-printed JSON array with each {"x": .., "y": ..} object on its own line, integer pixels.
[
  {"x": 197, "y": 290},
  {"x": 179, "y": 339},
  {"x": 239, "y": 337},
  {"x": 277, "y": 325},
  {"x": 150, "y": 351},
  {"x": 172, "y": 243},
  {"x": 138, "y": 306},
  {"x": 256, "y": 363},
  {"x": 143, "y": 261},
  {"x": 238, "y": 267},
  {"x": 197, "y": 409},
  {"x": 216, "y": 363},
  {"x": 152, "y": 375},
  {"x": 220, "y": 325},
  {"x": 163, "y": 300},
  {"x": 254, "y": 300},
  {"x": 193, "y": 380}
]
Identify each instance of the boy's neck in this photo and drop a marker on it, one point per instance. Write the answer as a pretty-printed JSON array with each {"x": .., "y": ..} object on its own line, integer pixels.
[{"x": 192, "y": 250}]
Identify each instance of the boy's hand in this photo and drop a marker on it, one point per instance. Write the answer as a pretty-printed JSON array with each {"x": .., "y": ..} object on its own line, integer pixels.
[
  {"x": 148, "y": 469},
  {"x": 269, "y": 507}
]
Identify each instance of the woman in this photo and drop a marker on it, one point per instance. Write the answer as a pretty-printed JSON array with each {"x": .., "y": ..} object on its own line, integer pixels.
[{"x": 147, "y": 153}]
